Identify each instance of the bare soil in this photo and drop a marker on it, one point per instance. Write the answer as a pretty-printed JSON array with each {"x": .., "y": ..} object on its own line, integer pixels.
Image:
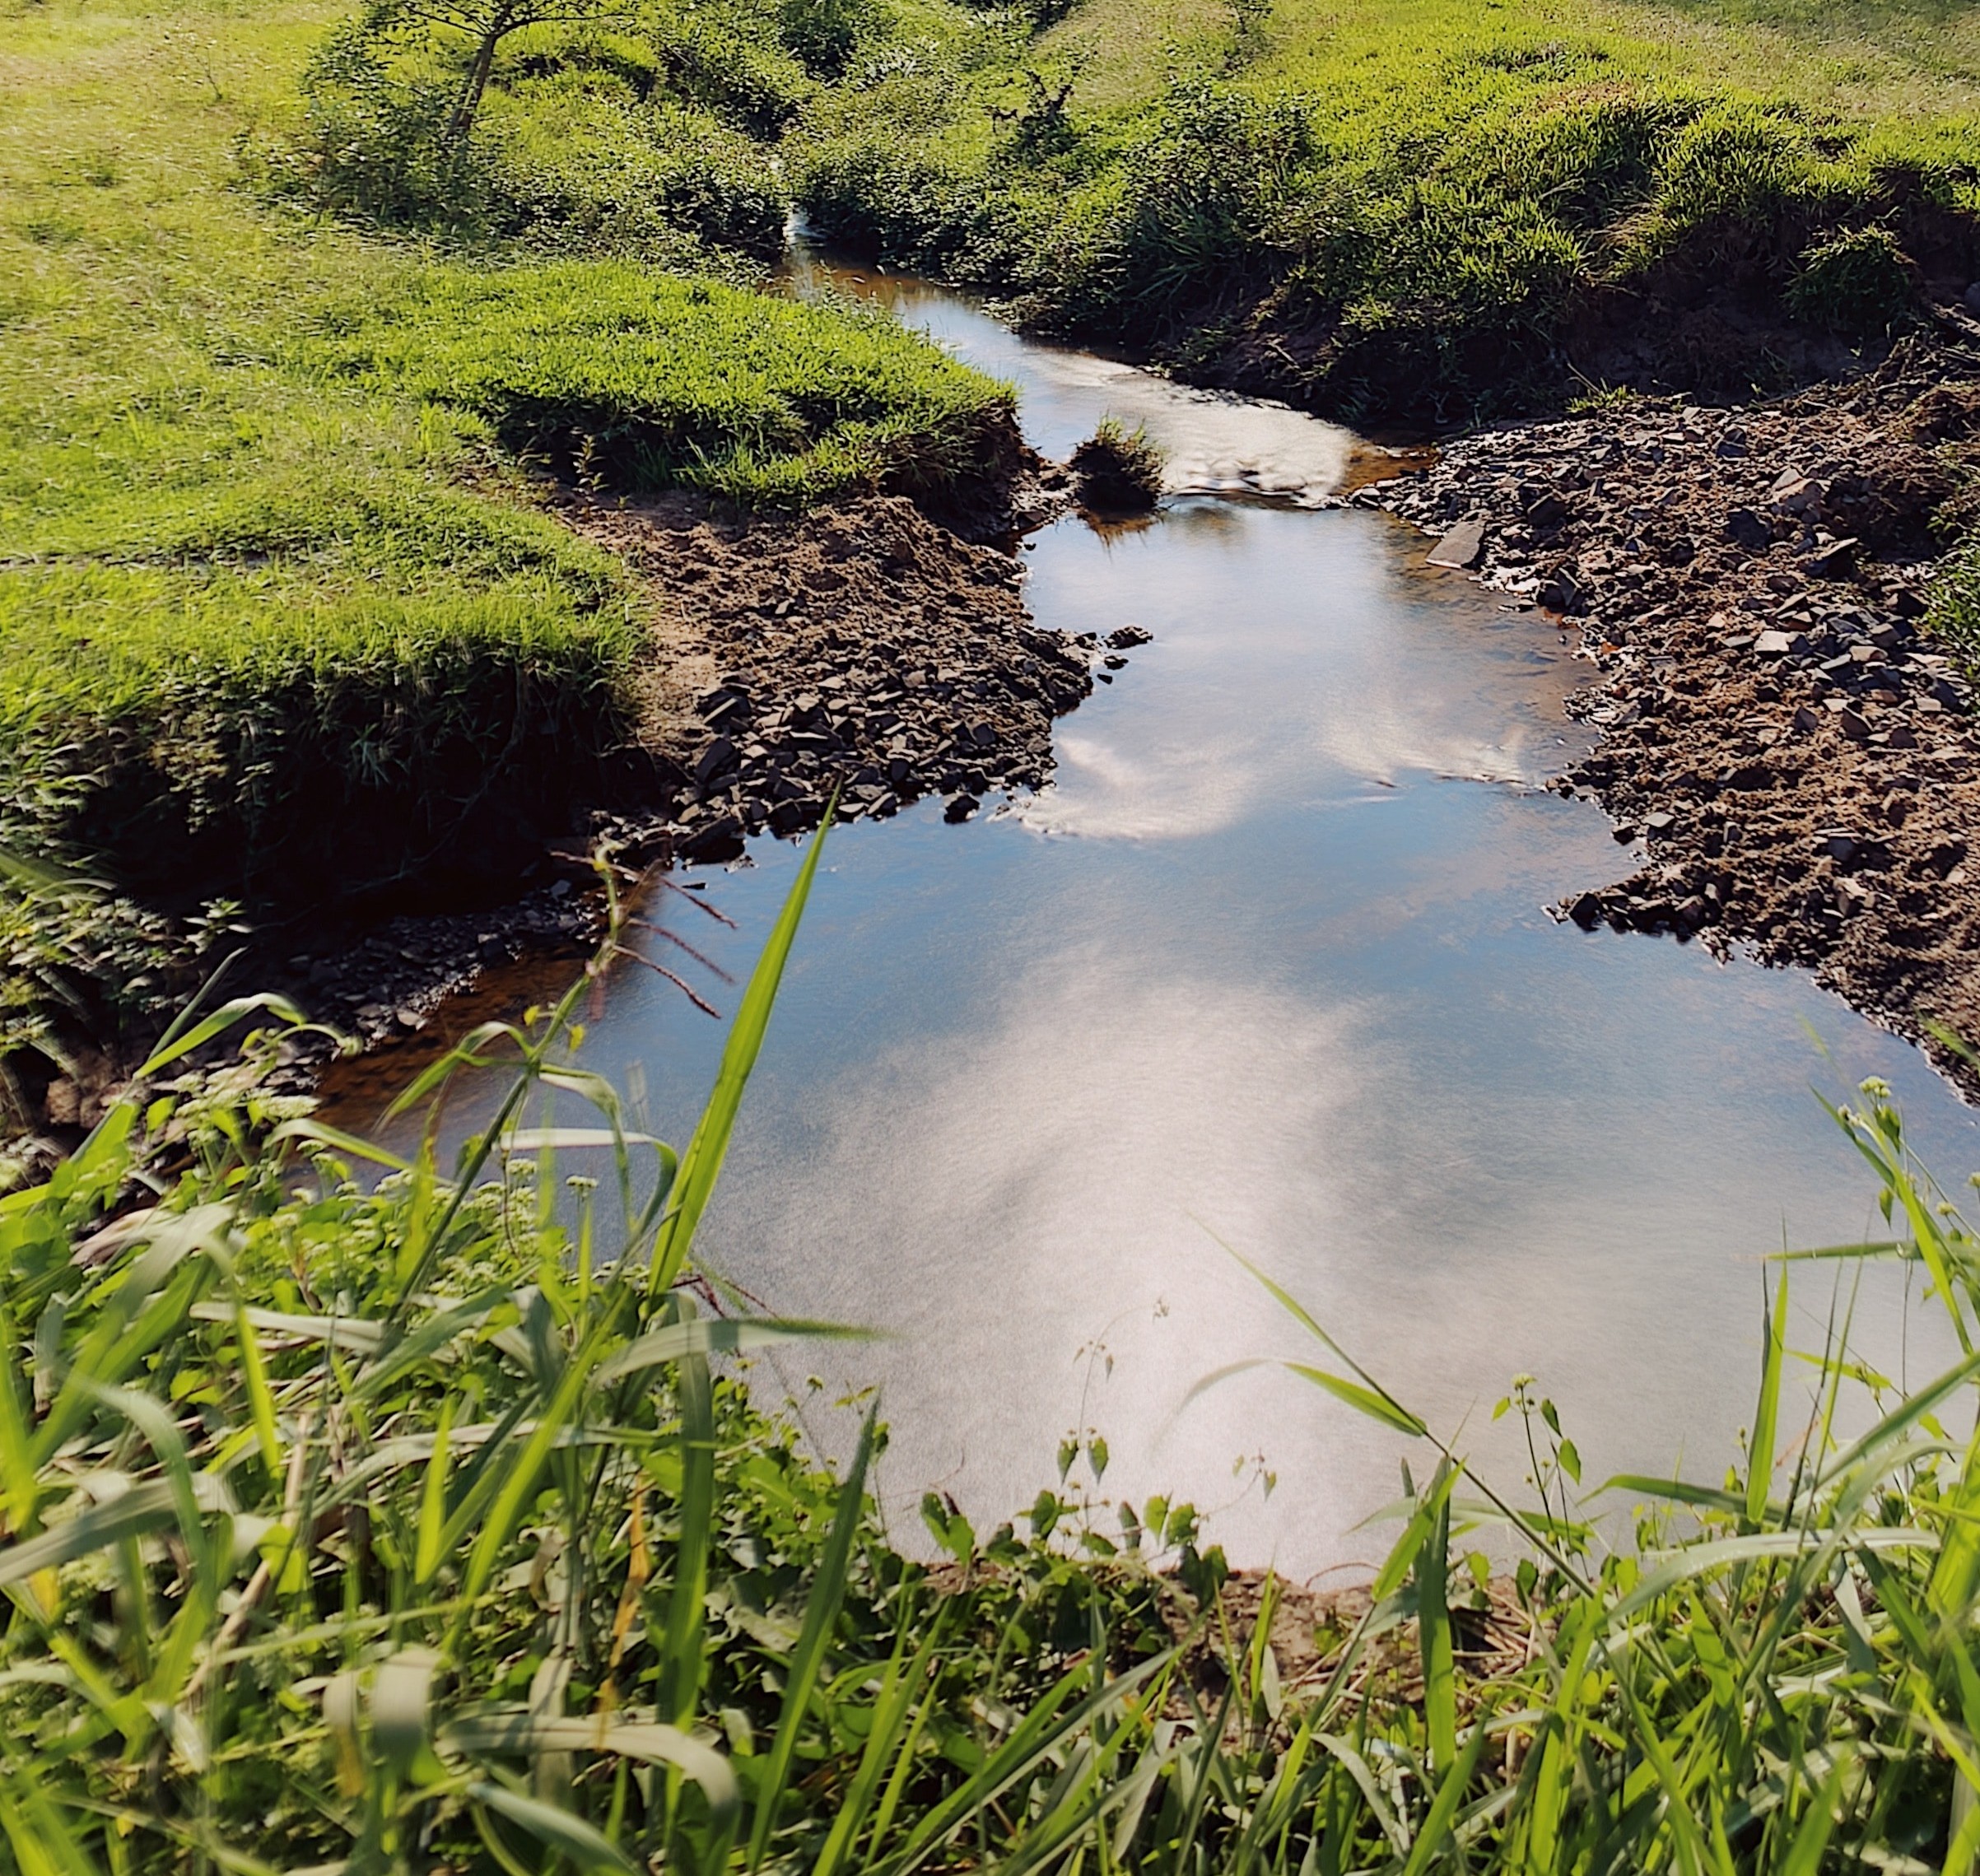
[
  {"x": 862, "y": 648},
  {"x": 1786, "y": 747}
]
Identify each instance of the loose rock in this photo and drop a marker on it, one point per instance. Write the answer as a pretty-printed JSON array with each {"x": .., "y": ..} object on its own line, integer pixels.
[{"x": 1751, "y": 582}]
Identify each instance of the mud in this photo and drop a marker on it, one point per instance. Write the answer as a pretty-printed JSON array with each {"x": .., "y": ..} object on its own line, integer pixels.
[
  {"x": 1786, "y": 747},
  {"x": 863, "y": 649}
]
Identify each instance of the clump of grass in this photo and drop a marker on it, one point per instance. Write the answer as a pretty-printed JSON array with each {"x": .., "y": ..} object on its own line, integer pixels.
[
  {"x": 1859, "y": 282},
  {"x": 1119, "y": 471},
  {"x": 1954, "y": 614},
  {"x": 642, "y": 381}
]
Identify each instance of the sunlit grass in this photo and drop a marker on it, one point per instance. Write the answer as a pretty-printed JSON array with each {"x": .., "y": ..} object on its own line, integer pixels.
[
  {"x": 272, "y": 542},
  {"x": 1416, "y": 194}
]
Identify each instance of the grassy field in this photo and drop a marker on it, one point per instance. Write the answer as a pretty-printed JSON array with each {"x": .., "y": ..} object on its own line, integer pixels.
[
  {"x": 1914, "y": 65},
  {"x": 429, "y": 1528},
  {"x": 1409, "y": 206},
  {"x": 281, "y": 613}
]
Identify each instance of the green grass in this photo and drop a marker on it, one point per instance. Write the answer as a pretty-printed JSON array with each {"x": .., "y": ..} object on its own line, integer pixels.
[
  {"x": 644, "y": 381},
  {"x": 431, "y": 1526},
  {"x": 1408, "y": 196},
  {"x": 280, "y": 613}
]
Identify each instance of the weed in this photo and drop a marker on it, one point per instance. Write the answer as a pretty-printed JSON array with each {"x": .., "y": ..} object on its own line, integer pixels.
[{"x": 1119, "y": 470}]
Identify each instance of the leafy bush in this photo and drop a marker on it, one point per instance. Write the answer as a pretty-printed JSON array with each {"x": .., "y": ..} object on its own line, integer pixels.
[
  {"x": 824, "y": 35},
  {"x": 584, "y": 141},
  {"x": 373, "y": 143},
  {"x": 566, "y": 169},
  {"x": 750, "y": 83}
]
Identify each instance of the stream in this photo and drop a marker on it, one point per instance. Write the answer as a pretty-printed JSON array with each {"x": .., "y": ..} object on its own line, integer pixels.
[{"x": 1267, "y": 968}]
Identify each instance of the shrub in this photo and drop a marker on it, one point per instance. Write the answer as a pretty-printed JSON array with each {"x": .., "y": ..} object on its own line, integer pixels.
[
  {"x": 1190, "y": 214},
  {"x": 824, "y": 35},
  {"x": 584, "y": 143},
  {"x": 372, "y": 145},
  {"x": 564, "y": 168},
  {"x": 754, "y": 85}
]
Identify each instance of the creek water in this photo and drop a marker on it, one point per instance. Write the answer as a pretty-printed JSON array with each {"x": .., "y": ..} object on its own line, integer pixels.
[{"x": 1268, "y": 964}]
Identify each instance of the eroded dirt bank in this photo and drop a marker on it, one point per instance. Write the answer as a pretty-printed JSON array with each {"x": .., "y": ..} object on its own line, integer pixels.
[
  {"x": 1790, "y": 750},
  {"x": 863, "y": 647}
]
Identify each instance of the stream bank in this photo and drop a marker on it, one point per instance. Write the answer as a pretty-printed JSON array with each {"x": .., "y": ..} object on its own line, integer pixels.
[
  {"x": 863, "y": 649},
  {"x": 1791, "y": 754},
  {"x": 863, "y": 646}
]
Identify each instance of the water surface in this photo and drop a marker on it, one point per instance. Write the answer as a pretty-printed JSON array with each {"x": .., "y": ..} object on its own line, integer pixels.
[{"x": 1268, "y": 967}]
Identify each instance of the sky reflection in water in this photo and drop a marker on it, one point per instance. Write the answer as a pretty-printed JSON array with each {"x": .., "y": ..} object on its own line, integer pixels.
[{"x": 1269, "y": 963}]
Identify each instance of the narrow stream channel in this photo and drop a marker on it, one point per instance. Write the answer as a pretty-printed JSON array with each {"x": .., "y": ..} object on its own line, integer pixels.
[{"x": 1270, "y": 962}]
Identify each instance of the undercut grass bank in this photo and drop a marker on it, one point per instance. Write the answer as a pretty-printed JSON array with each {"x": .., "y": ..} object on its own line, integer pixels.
[{"x": 640, "y": 381}]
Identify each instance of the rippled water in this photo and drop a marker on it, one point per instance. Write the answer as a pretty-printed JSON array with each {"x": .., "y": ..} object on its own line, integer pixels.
[{"x": 1268, "y": 965}]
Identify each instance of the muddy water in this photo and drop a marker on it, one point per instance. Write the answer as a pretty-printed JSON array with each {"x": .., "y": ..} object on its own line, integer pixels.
[{"x": 1267, "y": 965}]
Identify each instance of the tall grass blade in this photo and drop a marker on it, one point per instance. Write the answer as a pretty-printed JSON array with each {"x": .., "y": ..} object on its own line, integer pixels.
[
  {"x": 1436, "y": 1828},
  {"x": 681, "y": 1661},
  {"x": 701, "y": 1164},
  {"x": 1760, "y": 1465},
  {"x": 1434, "y": 1628},
  {"x": 560, "y": 1831}
]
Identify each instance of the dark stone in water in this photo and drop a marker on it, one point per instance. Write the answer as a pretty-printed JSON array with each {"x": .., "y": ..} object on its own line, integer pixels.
[{"x": 721, "y": 839}]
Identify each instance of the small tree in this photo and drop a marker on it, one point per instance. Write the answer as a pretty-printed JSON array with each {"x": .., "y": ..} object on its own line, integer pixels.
[{"x": 484, "y": 25}]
